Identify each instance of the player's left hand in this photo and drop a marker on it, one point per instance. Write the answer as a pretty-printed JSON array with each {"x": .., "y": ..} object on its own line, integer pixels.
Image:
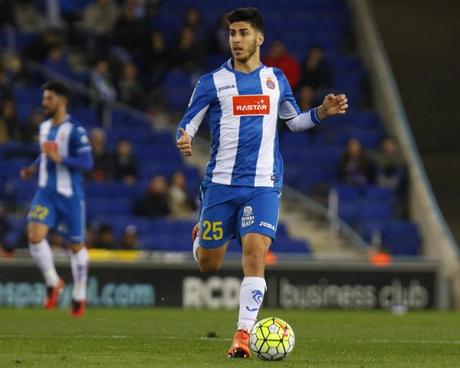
[
  {"x": 333, "y": 105},
  {"x": 54, "y": 156},
  {"x": 50, "y": 148}
]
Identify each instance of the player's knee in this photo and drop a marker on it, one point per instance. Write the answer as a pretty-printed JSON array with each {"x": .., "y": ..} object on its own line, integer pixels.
[
  {"x": 34, "y": 237},
  {"x": 76, "y": 247}
]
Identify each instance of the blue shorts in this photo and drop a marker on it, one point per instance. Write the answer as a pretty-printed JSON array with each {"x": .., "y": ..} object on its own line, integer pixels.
[
  {"x": 229, "y": 212},
  {"x": 66, "y": 214}
]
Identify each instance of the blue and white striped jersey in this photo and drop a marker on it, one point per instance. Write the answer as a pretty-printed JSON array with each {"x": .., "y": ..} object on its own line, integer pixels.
[
  {"x": 71, "y": 140},
  {"x": 242, "y": 111}
]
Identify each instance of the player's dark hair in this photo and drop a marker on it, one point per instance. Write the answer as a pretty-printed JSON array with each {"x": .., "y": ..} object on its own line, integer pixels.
[
  {"x": 57, "y": 87},
  {"x": 250, "y": 15}
]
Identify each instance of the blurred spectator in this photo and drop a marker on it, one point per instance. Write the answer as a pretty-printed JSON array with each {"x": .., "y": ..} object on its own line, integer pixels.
[
  {"x": 102, "y": 158},
  {"x": 99, "y": 19},
  {"x": 56, "y": 241},
  {"x": 179, "y": 201},
  {"x": 188, "y": 54},
  {"x": 355, "y": 167},
  {"x": 4, "y": 229},
  {"x": 57, "y": 61},
  {"x": 305, "y": 97},
  {"x": 12, "y": 65},
  {"x": 7, "y": 13},
  {"x": 6, "y": 88},
  {"x": 130, "y": 239},
  {"x": 130, "y": 30},
  {"x": 28, "y": 18},
  {"x": 4, "y": 136},
  {"x": 124, "y": 163},
  {"x": 389, "y": 166},
  {"x": 219, "y": 37},
  {"x": 8, "y": 118},
  {"x": 316, "y": 72},
  {"x": 192, "y": 19},
  {"x": 104, "y": 237},
  {"x": 154, "y": 203},
  {"x": 71, "y": 16},
  {"x": 279, "y": 57},
  {"x": 103, "y": 87},
  {"x": 156, "y": 58},
  {"x": 89, "y": 237},
  {"x": 29, "y": 132},
  {"x": 130, "y": 90},
  {"x": 40, "y": 47}
]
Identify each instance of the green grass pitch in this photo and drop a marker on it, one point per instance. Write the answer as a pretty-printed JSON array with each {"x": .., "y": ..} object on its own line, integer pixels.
[{"x": 178, "y": 338}]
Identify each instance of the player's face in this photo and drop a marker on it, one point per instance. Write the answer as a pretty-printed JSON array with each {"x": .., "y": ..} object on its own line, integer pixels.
[
  {"x": 51, "y": 102},
  {"x": 244, "y": 41}
]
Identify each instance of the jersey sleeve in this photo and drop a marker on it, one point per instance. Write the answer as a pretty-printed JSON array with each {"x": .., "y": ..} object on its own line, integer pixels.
[
  {"x": 290, "y": 112},
  {"x": 197, "y": 108},
  {"x": 288, "y": 104},
  {"x": 80, "y": 141}
]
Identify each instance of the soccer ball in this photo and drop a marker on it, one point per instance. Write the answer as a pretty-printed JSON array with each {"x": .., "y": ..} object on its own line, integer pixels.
[{"x": 272, "y": 339}]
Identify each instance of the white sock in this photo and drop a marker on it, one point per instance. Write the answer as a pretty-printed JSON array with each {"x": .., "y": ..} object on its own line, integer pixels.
[
  {"x": 43, "y": 257},
  {"x": 251, "y": 297},
  {"x": 79, "y": 265},
  {"x": 196, "y": 245}
]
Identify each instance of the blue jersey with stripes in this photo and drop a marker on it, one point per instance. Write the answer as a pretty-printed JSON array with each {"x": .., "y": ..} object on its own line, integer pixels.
[
  {"x": 242, "y": 110},
  {"x": 71, "y": 140}
]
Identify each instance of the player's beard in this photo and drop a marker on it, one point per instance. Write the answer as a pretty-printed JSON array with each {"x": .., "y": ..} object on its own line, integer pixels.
[
  {"x": 50, "y": 111},
  {"x": 252, "y": 49}
]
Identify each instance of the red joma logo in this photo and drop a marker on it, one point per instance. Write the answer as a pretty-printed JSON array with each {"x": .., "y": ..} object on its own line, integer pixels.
[{"x": 251, "y": 105}]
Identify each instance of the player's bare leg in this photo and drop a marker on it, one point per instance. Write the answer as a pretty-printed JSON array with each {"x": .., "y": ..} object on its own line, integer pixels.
[
  {"x": 255, "y": 247},
  {"x": 79, "y": 265},
  {"x": 210, "y": 260},
  {"x": 43, "y": 257}
]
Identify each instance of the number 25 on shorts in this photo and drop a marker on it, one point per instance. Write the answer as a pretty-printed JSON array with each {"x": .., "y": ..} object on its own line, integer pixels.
[{"x": 212, "y": 230}]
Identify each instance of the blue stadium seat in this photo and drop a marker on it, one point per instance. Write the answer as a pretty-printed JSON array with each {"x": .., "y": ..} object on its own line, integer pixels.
[
  {"x": 86, "y": 116},
  {"x": 366, "y": 120},
  {"x": 286, "y": 245},
  {"x": 27, "y": 99},
  {"x": 402, "y": 238},
  {"x": 178, "y": 89},
  {"x": 214, "y": 61},
  {"x": 376, "y": 211},
  {"x": 282, "y": 230},
  {"x": 369, "y": 138},
  {"x": 349, "y": 203},
  {"x": 11, "y": 168},
  {"x": 380, "y": 194},
  {"x": 98, "y": 207},
  {"x": 112, "y": 190}
]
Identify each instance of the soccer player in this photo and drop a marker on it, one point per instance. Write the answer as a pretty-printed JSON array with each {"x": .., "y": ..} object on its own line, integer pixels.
[
  {"x": 242, "y": 185},
  {"x": 59, "y": 201}
]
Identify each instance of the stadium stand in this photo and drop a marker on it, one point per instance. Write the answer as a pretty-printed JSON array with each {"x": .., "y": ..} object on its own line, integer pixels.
[{"x": 312, "y": 159}]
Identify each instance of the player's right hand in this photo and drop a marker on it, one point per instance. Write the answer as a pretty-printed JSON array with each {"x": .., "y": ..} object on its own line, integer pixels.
[
  {"x": 184, "y": 143},
  {"x": 195, "y": 230},
  {"x": 27, "y": 172}
]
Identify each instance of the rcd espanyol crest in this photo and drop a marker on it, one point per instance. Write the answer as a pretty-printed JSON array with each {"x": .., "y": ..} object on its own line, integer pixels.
[
  {"x": 270, "y": 84},
  {"x": 248, "y": 217}
]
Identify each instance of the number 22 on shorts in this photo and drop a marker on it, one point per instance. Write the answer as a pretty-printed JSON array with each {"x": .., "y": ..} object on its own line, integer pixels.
[
  {"x": 212, "y": 230},
  {"x": 39, "y": 212}
]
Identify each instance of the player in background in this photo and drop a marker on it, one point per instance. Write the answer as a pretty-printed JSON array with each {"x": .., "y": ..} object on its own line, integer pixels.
[
  {"x": 59, "y": 201},
  {"x": 242, "y": 185}
]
